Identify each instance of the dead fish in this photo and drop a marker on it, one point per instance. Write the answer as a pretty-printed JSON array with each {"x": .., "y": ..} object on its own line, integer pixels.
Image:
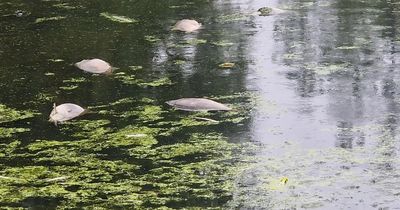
[
  {"x": 197, "y": 104},
  {"x": 187, "y": 25},
  {"x": 95, "y": 65},
  {"x": 65, "y": 112}
]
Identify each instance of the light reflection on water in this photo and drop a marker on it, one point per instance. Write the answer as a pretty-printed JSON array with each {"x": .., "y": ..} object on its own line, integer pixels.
[{"x": 326, "y": 74}]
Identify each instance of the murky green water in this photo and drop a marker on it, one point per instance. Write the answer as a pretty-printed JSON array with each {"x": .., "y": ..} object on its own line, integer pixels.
[{"x": 314, "y": 92}]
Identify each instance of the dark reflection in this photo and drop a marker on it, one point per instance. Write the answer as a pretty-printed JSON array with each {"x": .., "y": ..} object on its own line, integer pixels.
[{"x": 345, "y": 135}]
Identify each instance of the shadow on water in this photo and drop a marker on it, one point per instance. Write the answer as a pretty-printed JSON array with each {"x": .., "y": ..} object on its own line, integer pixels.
[{"x": 315, "y": 88}]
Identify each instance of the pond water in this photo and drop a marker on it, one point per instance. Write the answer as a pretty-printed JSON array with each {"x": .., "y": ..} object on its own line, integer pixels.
[{"x": 314, "y": 92}]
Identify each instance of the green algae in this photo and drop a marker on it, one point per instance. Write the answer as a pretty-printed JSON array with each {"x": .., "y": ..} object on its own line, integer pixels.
[
  {"x": 49, "y": 74},
  {"x": 7, "y": 149},
  {"x": 195, "y": 41},
  {"x": 9, "y": 114},
  {"x": 99, "y": 163},
  {"x": 135, "y": 68},
  {"x": 9, "y": 132},
  {"x": 46, "y": 19},
  {"x": 66, "y": 6},
  {"x": 72, "y": 83},
  {"x": 118, "y": 18},
  {"x": 327, "y": 69},
  {"x": 132, "y": 80},
  {"x": 91, "y": 176},
  {"x": 150, "y": 113},
  {"x": 156, "y": 83},
  {"x": 179, "y": 62},
  {"x": 56, "y": 60},
  {"x": 75, "y": 80},
  {"x": 265, "y": 11},
  {"x": 336, "y": 170},
  {"x": 70, "y": 87},
  {"x": 232, "y": 18},
  {"x": 151, "y": 38},
  {"x": 223, "y": 43},
  {"x": 131, "y": 135},
  {"x": 45, "y": 97},
  {"x": 127, "y": 79}
]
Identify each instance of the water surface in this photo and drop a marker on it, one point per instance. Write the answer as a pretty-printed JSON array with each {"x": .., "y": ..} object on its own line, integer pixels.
[{"x": 314, "y": 92}]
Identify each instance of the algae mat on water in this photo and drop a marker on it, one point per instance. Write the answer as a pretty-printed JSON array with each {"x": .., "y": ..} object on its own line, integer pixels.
[
  {"x": 154, "y": 161},
  {"x": 330, "y": 178}
]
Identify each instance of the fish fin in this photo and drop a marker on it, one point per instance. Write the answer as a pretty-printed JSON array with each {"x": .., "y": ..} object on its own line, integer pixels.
[
  {"x": 54, "y": 107},
  {"x": 110, "y": 71},
  {"x": 86, "y": 111}
]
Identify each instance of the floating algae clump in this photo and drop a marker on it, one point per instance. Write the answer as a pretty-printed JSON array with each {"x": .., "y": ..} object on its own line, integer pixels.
[
  {"x": 159, "y": 82},
  {"x": 118, "y": 18},
  {"x": 201, "y": 167},
  {"x": 9, "y": 132},
  {"x": 45, "y": 19},
  {"x": 9, "y": 114}
]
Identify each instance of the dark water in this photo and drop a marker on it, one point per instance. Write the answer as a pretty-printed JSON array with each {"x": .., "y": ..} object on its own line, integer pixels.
[{"x": 323, "y": 83}]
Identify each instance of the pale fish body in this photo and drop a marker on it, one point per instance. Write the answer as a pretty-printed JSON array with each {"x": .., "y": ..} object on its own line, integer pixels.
[
  {"x": 64, "y": 112},
  {"x": 95, "y": 65},
  {"x": 197, "y": 104},
  {"x": 187, "y": 25}
]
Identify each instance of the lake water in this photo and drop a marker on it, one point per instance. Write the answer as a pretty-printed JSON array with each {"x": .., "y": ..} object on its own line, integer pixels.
[{"x": 314, "y": 92}]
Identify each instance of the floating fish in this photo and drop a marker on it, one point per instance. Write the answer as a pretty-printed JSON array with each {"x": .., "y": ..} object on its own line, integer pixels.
[
  {"x": 65, "y": 112},
  {"x": 187, "y": 25},
  {"x": 197, "y": 104},
  {"x": 95, "y": 65}
]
